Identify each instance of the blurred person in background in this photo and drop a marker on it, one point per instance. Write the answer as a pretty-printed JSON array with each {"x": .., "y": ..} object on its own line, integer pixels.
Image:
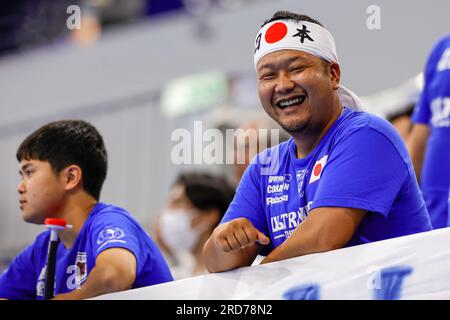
[
  {"x": 196, "y": 204},
  {"x": 401, "y": 121},
  {"x": 255, "y": 137},
  {"x": 429, "y": 142}
]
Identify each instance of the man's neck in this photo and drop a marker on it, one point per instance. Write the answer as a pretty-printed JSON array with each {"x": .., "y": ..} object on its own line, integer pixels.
[
  {"x": 75, "y": 212},
  {"x": 306, "y": 142}
]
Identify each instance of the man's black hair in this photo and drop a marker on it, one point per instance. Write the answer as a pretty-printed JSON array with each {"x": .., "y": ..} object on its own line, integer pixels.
[
  {"x": 206, "y": 191},
  {"x": 287, "y": 15},
  {"x": 69, "y": 142}
]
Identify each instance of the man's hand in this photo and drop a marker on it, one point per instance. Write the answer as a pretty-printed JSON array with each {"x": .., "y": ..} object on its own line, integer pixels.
[
  {"x": 232, "y": 245},
  {"x": 238, "y": 234}
]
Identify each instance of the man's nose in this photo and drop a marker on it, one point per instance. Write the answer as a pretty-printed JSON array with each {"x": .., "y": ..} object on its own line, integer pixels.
[
  {"x": 21, "y": 187},
  {"x": 284, "y": 83}
]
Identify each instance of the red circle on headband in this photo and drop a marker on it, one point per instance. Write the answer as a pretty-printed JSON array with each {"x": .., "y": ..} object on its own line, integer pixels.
[
  {"x": 55, "y": 222},
  {"x": 276, "y": 32}
]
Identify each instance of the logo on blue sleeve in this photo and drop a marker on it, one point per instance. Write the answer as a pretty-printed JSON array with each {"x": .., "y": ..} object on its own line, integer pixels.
[{"x": 110, "y": 234}]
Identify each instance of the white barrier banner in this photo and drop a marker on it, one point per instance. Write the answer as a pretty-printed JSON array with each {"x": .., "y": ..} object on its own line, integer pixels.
[{"x": 411, "y": 267}]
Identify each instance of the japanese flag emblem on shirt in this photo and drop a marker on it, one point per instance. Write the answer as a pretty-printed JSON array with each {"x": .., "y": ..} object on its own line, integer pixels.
[{"x": 318, "y": 168}]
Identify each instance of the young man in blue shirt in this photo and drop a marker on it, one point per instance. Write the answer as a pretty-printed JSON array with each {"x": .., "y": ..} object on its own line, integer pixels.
[
  {"x": 344, "y": 178},
  {"x": 63, "y": 166}
]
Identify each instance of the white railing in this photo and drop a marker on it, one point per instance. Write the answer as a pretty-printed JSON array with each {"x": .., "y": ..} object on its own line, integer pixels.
[{"x": 410, "y": 267}]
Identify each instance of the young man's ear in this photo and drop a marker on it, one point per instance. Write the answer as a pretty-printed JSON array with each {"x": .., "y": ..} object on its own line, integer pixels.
[
  {"x": 335, "y": 72},
  {"x": 72, "y": 176}
]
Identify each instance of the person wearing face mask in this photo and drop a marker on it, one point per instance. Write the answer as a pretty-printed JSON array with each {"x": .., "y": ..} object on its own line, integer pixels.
[{"x": 196, "y": 204}]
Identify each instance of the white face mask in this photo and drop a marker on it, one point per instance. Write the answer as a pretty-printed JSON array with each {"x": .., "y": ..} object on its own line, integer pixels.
[{"x": 176, "y": 230}]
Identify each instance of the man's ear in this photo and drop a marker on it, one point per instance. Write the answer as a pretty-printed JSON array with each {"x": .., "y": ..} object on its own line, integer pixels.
[
  {"x": 335, "y": 73},
  {"x": 72, "y": 176}
]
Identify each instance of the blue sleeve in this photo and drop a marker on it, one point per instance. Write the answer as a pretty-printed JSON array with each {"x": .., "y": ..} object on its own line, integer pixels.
[
  {"x": 364, "y": 171},
  {"x": 247, "y": 202},
  {"x": 116, "y": 230},
  {"x": 18, "y": 282},
  {"x": 422, "y": 110}
]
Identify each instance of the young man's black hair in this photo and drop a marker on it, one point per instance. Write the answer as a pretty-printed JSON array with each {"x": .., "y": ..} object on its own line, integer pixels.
[
  {"x": 68, "y": 142},
  {"x": 287, "y": 15}
]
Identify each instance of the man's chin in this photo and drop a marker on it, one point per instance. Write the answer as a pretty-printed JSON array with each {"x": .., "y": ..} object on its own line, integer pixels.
[
  {"x": 293, "y": 127},
  {"x": 31, "y": 219}
]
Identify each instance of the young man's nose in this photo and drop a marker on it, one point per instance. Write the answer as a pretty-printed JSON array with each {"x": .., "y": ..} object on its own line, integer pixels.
[
  {"x": 284, "y": 84},
  {"x": 21, "y": 187}
]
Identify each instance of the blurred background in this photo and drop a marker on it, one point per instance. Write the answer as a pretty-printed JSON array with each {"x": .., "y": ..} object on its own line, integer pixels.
[{"x": 140, "y": 69}]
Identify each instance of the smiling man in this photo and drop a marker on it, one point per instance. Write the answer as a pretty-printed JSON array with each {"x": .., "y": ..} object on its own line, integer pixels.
[
  {"x": 63, "y": 166},
  {"x": 343, "y": 179}
]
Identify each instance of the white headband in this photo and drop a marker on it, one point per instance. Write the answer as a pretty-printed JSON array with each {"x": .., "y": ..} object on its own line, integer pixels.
[{"x": 304, "y": 36}]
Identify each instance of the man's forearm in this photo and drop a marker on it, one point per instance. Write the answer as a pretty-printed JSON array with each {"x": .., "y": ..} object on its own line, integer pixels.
[
  {"x": 295, "y": 247},
  {"x": 323, "y": 230},
  {"x": 417, "y": 143},
  {"x": 99, "y": 281}
]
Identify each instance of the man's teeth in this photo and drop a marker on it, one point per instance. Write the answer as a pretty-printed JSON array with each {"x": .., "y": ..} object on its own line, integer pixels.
[{"x": 287, "y": 103}]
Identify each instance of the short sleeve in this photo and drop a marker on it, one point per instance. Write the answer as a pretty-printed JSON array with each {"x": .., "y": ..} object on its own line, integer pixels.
[
  {"x": 18, "y": 282},
  {"x": 422, "y": 110},
  {"x": 247, "y": 201},
  {"x": 116, "y": 230},
  {"x": 364, "y": 171}
]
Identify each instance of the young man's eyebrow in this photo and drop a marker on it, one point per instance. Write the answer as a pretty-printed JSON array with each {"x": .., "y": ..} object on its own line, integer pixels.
[
  {"x": 288, "y": 61},
  {"x": 24, "y": 167}
]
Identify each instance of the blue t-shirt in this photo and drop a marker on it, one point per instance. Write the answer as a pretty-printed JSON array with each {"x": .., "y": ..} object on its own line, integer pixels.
[
  {"x": 106, "y": 227},
  {"x": 361, "y": 162},
  {"x": 433, "y": 109}
]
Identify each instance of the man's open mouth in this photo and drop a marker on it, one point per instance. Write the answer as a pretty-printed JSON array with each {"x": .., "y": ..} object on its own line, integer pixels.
[{"x": 285, "y": 103}]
